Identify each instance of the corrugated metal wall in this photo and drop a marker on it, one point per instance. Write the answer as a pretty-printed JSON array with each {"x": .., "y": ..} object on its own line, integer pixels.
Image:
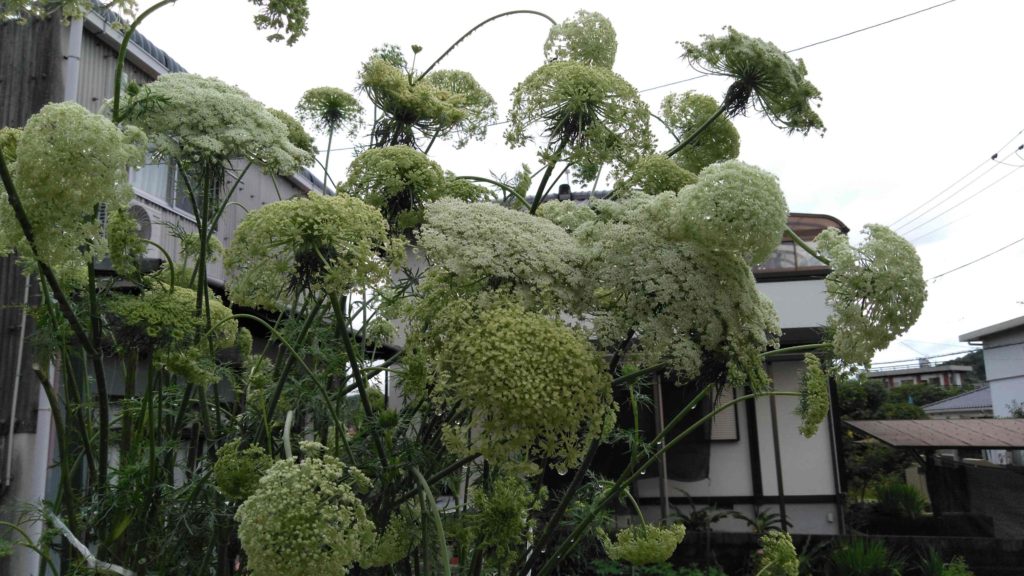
[
  {"x": 12, "y": 297},
  {"x": 30, "y": 69},
  {"x": 96, "y": 76}
]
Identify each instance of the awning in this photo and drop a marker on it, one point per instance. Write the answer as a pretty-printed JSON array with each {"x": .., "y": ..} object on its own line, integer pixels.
[{"x": 1006, "y": 433}]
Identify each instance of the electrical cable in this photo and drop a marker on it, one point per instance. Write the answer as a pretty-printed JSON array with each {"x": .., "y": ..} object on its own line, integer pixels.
[
  {"x": 818, "y": 43},
  {"x": 976, "y": 260},
  {"x": 960, "y": 203}
]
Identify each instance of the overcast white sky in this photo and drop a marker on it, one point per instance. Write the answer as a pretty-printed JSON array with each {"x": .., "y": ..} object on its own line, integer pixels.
[{"x": 911, "y": 107}]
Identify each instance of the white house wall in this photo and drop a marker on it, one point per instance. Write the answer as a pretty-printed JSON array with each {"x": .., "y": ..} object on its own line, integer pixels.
[{"x": 799, "y": 303}]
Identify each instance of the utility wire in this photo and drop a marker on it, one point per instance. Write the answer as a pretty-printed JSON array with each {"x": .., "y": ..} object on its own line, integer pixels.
[
  {"x": 818, "y": 43},
  {"x": 906, "y": 224},
  {"x": 909, "y": 360},
  {"x": 960, "y": 203},
  {"x": 944, "y": 190},
  {"x": 976, "y": 260}
]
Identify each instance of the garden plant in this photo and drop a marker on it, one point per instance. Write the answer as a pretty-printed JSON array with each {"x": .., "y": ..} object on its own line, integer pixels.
[{"x": 512, "y": 329}]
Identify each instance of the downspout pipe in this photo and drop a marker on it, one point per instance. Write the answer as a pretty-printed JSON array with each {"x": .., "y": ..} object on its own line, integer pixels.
[
  {"x": 18, "y": 368},
  {"x": 73, "y": 60}
]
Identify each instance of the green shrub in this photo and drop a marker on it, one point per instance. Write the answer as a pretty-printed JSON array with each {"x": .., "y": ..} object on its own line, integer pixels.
[
  {"x": 901, "y": 500},
  {"x": 862, "y": 557}
]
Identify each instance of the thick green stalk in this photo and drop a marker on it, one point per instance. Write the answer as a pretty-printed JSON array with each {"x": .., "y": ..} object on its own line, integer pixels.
[
  {"x": 442, "y": 546},
  {"x": 700, "y": 130},
  {"x": 99, "y": 374},
  {"x": 810, "y": 249},
  {"x": 541, "y": 189}
]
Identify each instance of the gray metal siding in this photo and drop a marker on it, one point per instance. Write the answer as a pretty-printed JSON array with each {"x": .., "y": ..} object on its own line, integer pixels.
[
  {"x": 30, "y": 69},
  {"x": 12, "y": 295},
  {"x": 96, "y": 76}
]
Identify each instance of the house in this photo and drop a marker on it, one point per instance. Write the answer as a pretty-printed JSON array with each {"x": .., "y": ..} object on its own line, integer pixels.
[
  {"x": 972, "y": 404},
  {"x": 44, "y": 61},
  {"x": 923, "y": 372},
  {"x": 755, "y": 462},
  {"x": 1003, "y": 352}
]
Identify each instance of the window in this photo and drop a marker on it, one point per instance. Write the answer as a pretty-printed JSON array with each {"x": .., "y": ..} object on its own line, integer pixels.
[{"x": 165, "y": 181}]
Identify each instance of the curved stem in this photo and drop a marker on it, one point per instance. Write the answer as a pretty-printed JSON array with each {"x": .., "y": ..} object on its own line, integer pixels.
[
  {"x": 810, "y": 249},
  {"x": 689, "y": 139},
  {"x": 442, "y": 546},
  {"x": 169, "y": 261},
  {"x": 122, "y": 53},
  {"x": 474, "y": 29},
  {"x": 504, "y": 187},
  {"x": 795, "y": 349}
]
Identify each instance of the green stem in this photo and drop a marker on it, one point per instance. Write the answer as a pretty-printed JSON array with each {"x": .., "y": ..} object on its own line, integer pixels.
[
  {"x": 27, "y": 543},
  {"x": 624, "y": 480},
  {"x": 540, "y": 193},
  {"x": 357, "y": 376},
  {"x": 442, "y": 545},
  {"x": 437, "y": 477},
  {"x": 122, "y": 53},
  {"x": 504, "y": 187},
  {"x": 327, "y": 157},
  {"x": 636, "y": 506},
  {"x": 796, "y": 349},
  {"x": 810, "y": 249},
  {"x": 99, "y": 374},
  {"x": 474, "y": 29},
  {"x": 689, "y": 139}
]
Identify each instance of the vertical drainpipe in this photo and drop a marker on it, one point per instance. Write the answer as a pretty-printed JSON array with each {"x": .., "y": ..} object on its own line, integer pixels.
[{"x": 19, "y": 365}]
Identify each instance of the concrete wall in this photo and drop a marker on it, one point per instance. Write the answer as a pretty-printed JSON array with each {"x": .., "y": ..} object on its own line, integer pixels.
[{"x": 1004, "y": 368}]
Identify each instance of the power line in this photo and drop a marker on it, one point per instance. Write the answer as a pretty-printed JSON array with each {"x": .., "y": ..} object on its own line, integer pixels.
[
  {"x": 818, "y": 43},
  {"x": 960, "y": 203},
  {"x": 908, "y": 360},
  {"x": 976, "y": 260},
  {"x": 958, "y": 180},
  {"x": 872, "y": 26}
]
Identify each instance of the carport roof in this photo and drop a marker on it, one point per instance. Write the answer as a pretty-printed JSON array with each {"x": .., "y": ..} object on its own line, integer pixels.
[{"x": 1006, "y": 433}]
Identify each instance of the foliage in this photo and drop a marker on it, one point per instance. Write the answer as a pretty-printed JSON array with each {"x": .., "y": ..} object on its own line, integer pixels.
[
  {"x": 683, "y": 114},
  {"x": 864, "y": 557},
  {"x": 510, "y": 330},
  {"x": 900, "y": 500}
]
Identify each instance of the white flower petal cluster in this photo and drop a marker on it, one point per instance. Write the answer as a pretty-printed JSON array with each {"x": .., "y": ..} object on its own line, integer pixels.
[
  {"x": 684, "y": 114},
  {"x": 733, "y": 207},
  {"x": 328, "y": 244},
  {"x": 485, "y": 243},
  {"x": 68, "y": 161},
  {"x": 876, "y": 290},
  {"x": 587, "y": 37},
  {"x": 203, "y": 120},
  {"x": 685, "y": 303},
  {"x": 814, "y": 401},
  {"x": 534, "y": 387},
  {"x": 590, "y": 115},
  {"x": 643, "y": 544},
  {"x": 778, "y": 557},
  {"x": 305, "y": 519}
]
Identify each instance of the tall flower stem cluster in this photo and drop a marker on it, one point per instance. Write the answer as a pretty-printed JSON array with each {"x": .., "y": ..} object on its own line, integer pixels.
[{"x": 401, "y": 371}]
